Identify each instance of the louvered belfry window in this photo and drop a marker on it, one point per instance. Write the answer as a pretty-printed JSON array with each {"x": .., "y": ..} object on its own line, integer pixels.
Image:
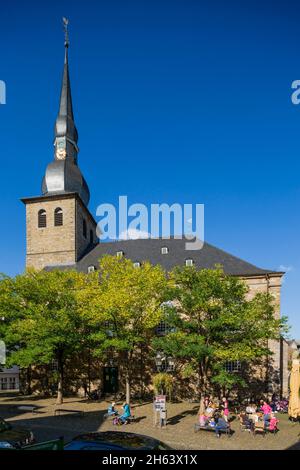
[
  {"x": 42, "y": 219},
  {"x": 58, "y": 217}
]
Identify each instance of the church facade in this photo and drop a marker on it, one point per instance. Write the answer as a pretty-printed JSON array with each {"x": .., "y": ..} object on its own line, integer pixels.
[{"x": 61, "y": 233}]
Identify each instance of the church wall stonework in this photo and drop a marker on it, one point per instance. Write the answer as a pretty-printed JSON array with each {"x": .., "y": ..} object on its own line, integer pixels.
[
  {"x": 50, "y": 245},
  {"x": 83, "y": 243},
  {"x": 276, "y": 365},
  {"x": 57, "y": 245}
]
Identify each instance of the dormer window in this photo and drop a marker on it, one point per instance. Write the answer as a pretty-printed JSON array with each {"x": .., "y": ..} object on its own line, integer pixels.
[
  {"x": 189, "y": 262},
  {"x": 42, "y": 219},
  {"x": 136, "y": 264},
  {"x": 164, "y": 250},
  {"x": 91, "y": 269},
  {"x": 58, "y": 217},
  {"x": 120, "y": 254}
]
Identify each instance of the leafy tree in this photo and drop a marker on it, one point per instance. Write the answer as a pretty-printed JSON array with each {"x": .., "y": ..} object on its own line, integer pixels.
[
  {"x": 126, "y": 309},
  {"x": 163, "y": 383},
  {"x": 213, "y": 322},
  {"x": 44, "y": 319}
]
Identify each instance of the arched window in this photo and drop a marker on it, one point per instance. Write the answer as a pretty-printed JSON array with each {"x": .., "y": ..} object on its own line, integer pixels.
[
  {"x": 58, "y": 217},
  {"x": 91, "y": 237},
  {"x": 84, "y": 228},
  {"x": 42, "y": 218}
]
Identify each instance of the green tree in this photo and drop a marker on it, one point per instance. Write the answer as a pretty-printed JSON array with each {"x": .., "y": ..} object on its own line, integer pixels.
[
  {"x": 43, "y": 316},
  {"x": 126, "y": 309},
  {"x": 213, "y": 322}
]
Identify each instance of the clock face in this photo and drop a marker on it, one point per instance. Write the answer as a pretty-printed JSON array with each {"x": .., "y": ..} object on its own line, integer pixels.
[
  {"x": 60, "y": 151},
  {"x": 60, "y": 154}
]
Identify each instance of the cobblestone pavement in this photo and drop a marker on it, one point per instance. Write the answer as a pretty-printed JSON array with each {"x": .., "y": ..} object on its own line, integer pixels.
[{"x": 179, "y": 433}]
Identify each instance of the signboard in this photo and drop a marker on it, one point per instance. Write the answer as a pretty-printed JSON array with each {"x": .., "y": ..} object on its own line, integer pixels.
[
  {"x": 160, "y": 410},
  {"x": 160, "y": 402}
]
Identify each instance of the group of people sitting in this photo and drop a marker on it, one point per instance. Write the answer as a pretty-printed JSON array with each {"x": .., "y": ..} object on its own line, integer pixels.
[
  {"x": 259, "y": 416},
  {"x": 117, "y": 417},
  {"x": 214, "y": 415}
]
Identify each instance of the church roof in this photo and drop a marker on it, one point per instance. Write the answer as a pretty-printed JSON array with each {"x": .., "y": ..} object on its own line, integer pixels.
[{"x": 150, "y": 250}]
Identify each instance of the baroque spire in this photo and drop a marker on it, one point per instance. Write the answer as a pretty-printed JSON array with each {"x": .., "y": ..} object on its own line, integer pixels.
[
  {"x": 62, "y": 174},
  {"x": 66, "y": 135}
]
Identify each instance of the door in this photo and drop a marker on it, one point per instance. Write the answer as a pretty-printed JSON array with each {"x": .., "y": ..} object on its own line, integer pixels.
[{"x": 110, "y": 379}]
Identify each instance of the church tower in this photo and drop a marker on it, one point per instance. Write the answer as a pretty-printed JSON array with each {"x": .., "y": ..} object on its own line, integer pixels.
[{"x": 59, "y": 227}]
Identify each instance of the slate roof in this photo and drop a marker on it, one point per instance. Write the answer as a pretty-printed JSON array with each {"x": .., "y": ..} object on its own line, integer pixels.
[{"x": 150, "y": 250}]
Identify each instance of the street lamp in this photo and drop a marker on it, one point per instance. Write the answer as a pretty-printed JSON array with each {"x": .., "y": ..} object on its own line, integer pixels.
[{"x": 164, "y": 363}]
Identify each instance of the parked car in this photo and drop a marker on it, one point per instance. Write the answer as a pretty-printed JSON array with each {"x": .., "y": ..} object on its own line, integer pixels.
[
  {"x": 114, "y": 440},
  {"x": 14, "y": 437}
]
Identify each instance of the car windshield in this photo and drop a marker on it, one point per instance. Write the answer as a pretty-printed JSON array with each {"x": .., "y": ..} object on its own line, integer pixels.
[{"x": 4, "y": 426}]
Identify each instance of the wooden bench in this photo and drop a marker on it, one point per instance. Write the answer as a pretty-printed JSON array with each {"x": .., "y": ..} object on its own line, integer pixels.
[
  {"x": 226, "y": 431},
  {"x": 58, "y": 411},
  {"x": 31, "y": 408}
]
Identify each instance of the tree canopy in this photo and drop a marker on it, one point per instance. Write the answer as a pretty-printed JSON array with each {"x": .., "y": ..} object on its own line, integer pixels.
[{"x": 212, "y": 322}]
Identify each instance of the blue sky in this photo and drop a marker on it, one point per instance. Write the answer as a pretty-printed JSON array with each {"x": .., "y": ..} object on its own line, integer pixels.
[{"x": 175, "y": 101}]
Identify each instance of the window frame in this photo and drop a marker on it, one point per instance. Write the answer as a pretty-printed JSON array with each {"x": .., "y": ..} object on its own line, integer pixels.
[
  {"x": 189, "y": 264},
  {"x": 58, "y": 217},
  {"x": 42, "y": 218}
]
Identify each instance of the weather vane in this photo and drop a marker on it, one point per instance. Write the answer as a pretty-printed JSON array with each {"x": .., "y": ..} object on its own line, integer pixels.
[{"x": 66, "y": 22}]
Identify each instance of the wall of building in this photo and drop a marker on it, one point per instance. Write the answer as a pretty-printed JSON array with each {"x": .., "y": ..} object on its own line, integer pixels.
[
  {"x": 9, "y": 379},
  {"x": 50, "y": 245},
  {"x": 276, "y": 365},
  {"x": 84, "y": 243},
  {"x": 57, "y": 245}
]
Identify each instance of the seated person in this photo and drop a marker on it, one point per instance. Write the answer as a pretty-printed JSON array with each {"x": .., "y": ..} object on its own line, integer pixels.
[
  {"x": 111, "y": 411},
  {"x": 272, "y": 426},
  {"x": 251, "y": 408},
  {"x": 267, "y": 410},
  {"x": 127, "y": 413},
  {"x": 210, "y": 410},
  {"x": 211, "y": 423},
  {"x": 245, "y": 421},
  {"x": 203, "y": 420},
  {"x": 221, "y": 424}
]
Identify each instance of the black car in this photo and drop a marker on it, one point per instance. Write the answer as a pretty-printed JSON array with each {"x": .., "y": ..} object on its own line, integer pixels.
[
  {"x": 14, "y": 437},
  {"x": 114, "y": 440}
]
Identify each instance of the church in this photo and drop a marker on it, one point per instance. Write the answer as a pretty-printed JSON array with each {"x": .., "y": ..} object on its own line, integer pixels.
[{"x": 61, "y": 233}]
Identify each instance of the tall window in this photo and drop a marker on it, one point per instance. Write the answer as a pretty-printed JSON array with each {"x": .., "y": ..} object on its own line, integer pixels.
[
  {"x": 233, "y": 366},
  {"x": 91, "y": 237},
  {"x": 42, "y": 219},
  {"x": 84, "y": 228},
  {"x": 58, "y": 217},
  {"x": 163, "y": 328}
]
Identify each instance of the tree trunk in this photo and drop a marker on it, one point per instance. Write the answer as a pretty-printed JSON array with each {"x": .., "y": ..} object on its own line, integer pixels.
[
  {"x": 127, "y": 381},
  {"x": 60, "y": 384},
  {"x": 28, "y": 381}
]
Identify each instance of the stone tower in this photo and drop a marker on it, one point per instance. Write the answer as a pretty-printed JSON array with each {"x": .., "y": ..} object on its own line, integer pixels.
[{"x": 59, "y": 227}]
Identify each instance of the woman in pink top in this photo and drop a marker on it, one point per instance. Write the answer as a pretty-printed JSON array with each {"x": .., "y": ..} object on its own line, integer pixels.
[
  {"x": 267, "y": 410},
  {"x": 225, "y": 408}
]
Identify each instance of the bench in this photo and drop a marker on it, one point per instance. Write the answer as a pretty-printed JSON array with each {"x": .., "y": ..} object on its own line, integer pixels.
[
  {"x": 58, "y": 411},
  {"x": 31, "y": 408},
  {"x": 130, "y": 419},
  {"x": 264, "y": 431},
  {"x": 226, "y": 431}
]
